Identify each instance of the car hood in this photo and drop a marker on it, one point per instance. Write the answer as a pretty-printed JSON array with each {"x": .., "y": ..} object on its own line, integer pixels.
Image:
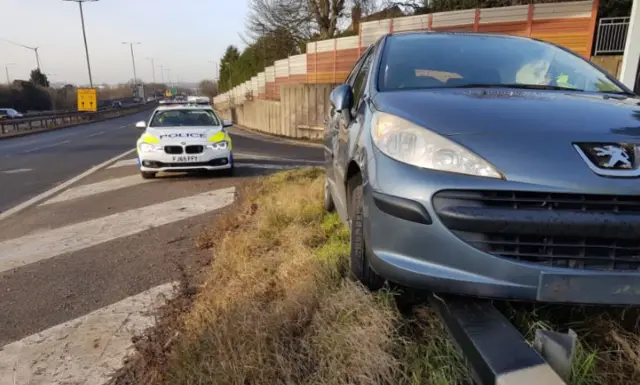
[
  {"x": 529, "y": 136},
  {"x": 183, "y": 135},
  {"x": 456, "y": 111}
]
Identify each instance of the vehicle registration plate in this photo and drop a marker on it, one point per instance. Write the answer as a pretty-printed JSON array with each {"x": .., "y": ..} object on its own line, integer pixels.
[{"x": 185, "y": 159}]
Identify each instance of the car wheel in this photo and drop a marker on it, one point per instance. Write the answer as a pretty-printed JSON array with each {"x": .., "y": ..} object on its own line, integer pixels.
[
  {"x": 148, "y": 174},
  {"x": 328, "y": 203},
  {"x": 360, "y": 268}
]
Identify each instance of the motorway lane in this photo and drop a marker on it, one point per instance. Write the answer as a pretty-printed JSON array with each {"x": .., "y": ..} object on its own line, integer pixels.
[
  {"x": 32, "y": 164},
  {"x": 79, "y": 272}
]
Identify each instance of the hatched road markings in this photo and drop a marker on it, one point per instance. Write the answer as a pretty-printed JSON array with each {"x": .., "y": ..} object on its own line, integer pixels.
[
  {"x": 97, "y": 188},
  {"x": 86, "y": 350},
  {"x": 90, "y": 348},
  {"x": 42, "y": 245}
]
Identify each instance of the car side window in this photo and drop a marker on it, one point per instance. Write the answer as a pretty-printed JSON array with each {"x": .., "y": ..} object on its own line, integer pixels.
[
  {"x": 356, "y": 68},
  {"x": 359, "y": 82}
]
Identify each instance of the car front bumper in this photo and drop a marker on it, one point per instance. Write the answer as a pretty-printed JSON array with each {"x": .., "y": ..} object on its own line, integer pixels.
[
  {"x": 209, "y": 160},
  {"x": 500, "y": 239}
]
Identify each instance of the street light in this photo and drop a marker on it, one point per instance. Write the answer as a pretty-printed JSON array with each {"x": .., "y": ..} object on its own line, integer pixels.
[
  {"x": 34, "y": 49},
  {"x": 215, "y": 74},
  {"x": 133, "y": 59},
  {"x": 6, "y": 69},
  {"x": 162, "y": 73},
  {"x": 84, "y": 35},
  {"x": 153, "y": 69},
  {"x": 169, "y": 75}
]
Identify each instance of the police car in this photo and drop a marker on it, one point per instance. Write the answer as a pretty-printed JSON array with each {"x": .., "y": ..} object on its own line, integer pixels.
[{"x": 184, "y": 137}]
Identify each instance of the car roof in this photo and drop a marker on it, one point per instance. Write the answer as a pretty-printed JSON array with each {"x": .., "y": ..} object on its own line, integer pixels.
[
  {"x": 459, "y": 33},
  {"x": 185, "y": 106}
]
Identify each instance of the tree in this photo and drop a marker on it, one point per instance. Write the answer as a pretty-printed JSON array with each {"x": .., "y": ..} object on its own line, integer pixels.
[
  {"x": 38, "y": 78},
  {"x": 230, "y": 57},
  {"x": 208, "y": 88},
  {"x": 302, "y": 19}
]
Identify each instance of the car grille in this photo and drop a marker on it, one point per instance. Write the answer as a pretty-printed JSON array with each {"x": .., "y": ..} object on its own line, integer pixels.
[
  {"x": 173, "y": 149},
  {"x": 544, "y": 246},
  {"x": 194, "y": 149}
]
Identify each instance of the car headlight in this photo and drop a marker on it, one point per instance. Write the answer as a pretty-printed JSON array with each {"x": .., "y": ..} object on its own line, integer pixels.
[
  {"x": 146, "y": 147},
  {"x": 409, "y": 143},
  {"x": 219, "y": 145}
]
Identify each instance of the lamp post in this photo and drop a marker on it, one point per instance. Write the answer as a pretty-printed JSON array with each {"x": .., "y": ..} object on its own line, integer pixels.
[
  {"x": 153, "y": 69},
  {"x": 216, "y": 75},
  {"x": 84, "y": 35},
  {"x": 6, "y": 69},
  {"x": 133, "y": 60},
  {"x": 34, "y": 49}
]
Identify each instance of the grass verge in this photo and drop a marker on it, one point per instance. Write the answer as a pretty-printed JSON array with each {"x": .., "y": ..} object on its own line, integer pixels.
[{"x": 274, "y": 307}]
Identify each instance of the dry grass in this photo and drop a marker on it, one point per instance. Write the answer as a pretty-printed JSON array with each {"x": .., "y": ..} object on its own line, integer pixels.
[
  {"x": 275, "y": 308},
  {"x": 608, "y": 350}
]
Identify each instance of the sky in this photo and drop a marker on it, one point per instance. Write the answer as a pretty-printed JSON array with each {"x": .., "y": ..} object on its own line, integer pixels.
[{"x": 182, "y": 35}]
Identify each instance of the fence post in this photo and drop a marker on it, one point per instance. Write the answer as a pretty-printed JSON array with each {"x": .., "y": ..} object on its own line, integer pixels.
[
  {"x": 592, "y": 27},
  {"x": 430, "y": 22},
  {"x": 335, "y": 58},
  {"x": 476, "y": 20},
  {"x": 359, "y": 40},
  {"x": 530, "y": 20}
]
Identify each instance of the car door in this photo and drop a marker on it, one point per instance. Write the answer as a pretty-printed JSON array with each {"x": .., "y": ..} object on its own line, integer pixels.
[
  {"x": 331, "y": 130},
  {"x": 352, "y": 126}
]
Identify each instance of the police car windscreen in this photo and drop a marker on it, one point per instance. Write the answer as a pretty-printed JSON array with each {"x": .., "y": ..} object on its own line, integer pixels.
[{"x": 184, "y": 118}]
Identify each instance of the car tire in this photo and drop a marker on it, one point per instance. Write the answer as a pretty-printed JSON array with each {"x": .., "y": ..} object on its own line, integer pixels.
[
  {"x": 328, "y": 203},
  {"x": 360, "y": 268},
  {"x": 148, "y": 174}
]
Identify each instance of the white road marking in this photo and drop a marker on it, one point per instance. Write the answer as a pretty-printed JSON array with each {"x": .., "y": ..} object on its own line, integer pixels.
[
  {"x": 47, "y": 244},
  {"x": 97, "y": 188},
  {"x": 125, "y": 162},
  {"x": 17, "y": 171},
  {"x": 266, "y": 166},
  {"x": 248, "y": 155},
  {"x": 60, "y": 187},
  {"x": 86, "y": 350},
  {"x": 47, "y": 146},
  {"x": 96, "y": 134}
]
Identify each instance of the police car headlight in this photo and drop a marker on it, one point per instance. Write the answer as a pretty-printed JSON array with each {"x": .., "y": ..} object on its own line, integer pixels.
[
  {"x": 218, "y": 146},
  {"x": 146, "y": 147}
]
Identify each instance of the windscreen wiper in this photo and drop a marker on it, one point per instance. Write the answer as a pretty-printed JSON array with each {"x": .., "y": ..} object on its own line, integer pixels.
[{"x": 516, "y": 85}]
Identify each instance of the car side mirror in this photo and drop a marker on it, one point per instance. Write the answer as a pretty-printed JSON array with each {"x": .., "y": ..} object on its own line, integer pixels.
[
  {"x": 342, "y": 97},
  {"x": 141, "y": 125},
  {"x": 227, "y": 123}
]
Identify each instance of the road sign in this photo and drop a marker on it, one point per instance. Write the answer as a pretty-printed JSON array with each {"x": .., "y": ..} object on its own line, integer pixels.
[{"x": 87, "y": 99}]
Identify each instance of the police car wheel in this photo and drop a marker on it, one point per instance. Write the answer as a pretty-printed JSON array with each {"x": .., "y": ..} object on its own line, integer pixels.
[{"x": 148, "y": 174}]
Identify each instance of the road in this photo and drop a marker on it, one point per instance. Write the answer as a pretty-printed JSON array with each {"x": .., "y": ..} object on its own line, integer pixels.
[
  {"x": 80, "y": 271},
  {"x": 32, "y": 164}
]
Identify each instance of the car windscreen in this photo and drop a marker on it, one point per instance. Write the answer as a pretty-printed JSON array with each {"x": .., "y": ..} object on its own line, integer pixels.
[
  {"x": 184, "y": 118},
  {"x": 422, "y": 61}
]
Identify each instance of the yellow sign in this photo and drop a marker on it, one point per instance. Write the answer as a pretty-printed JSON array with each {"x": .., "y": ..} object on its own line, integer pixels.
[
  {"x": 167, "y": 93},
  {"x": 87, "y": 99}
]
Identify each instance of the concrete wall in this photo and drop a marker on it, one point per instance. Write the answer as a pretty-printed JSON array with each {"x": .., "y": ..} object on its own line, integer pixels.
[{"x": 299, "y": 113}]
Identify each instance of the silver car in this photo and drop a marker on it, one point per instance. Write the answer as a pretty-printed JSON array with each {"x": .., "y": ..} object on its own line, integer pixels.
[{"x": 490, "y": 166}]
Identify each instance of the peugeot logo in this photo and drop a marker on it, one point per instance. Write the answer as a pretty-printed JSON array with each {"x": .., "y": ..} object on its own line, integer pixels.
[
  {"x": 183, "y": 143},
  {"x": 611, "y": 159}
]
